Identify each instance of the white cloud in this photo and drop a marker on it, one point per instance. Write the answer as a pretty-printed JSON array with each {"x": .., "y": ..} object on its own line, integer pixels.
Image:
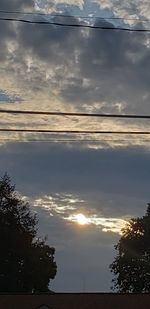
[
  {"x": 126, "y": 9},
  {"x": 51, "y": 5}
]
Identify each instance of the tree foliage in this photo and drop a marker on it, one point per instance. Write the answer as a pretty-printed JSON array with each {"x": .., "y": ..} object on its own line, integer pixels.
[
  {"x": 131, "y": 267},
  {"x": 26, "y": 262}
]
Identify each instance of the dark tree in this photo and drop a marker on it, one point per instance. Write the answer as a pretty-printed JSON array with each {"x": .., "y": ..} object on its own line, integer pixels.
[
  {"x": 26, "y": 263},
  {"x": 131, "y": 267}
]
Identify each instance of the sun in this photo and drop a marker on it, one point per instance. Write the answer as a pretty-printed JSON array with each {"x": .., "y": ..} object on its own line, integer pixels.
[{"x": 81, "y": 219}]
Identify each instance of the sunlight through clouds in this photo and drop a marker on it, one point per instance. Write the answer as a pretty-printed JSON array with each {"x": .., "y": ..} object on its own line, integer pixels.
[
  {"x": 74, "y": 210},
  {"x": 114, "y": 225}
]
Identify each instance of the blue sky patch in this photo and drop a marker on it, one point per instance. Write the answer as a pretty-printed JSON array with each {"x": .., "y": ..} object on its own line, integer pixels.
[{"x": 8, "y": 98}]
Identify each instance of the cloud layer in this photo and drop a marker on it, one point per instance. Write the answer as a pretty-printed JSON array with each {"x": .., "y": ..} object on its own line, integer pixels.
[{"x": 72, "y": 69}]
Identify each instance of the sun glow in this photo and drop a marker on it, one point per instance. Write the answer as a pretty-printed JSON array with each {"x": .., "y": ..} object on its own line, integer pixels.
[
  {"x": 113, "y": 225},
  {"x": 81, "y": 219}
]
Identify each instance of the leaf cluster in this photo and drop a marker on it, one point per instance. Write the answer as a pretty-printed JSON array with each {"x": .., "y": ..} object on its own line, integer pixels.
[
  {"x": 26, "y": 262},
  {"x": 131, "y": 266}
]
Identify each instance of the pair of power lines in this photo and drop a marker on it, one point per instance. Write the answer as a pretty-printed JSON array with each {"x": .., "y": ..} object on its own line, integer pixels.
[{"x": 75, "y": 114}]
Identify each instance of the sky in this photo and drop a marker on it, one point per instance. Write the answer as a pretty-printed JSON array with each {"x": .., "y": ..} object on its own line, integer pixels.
[{"x": 84, "y": 189}]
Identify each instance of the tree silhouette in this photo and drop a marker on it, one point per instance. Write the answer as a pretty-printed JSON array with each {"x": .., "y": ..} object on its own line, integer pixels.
[
  {"x": 131, "y": 267},
  {"x": 26, "y": 263}
]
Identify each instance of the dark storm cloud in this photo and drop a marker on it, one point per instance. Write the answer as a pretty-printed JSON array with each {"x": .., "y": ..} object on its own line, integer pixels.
[
  {"x": 8, "y": 32},
  {"x": 50, "y": 43},
  {"x": 121, "y": 176},
  {"x": 114, "y": 63}
]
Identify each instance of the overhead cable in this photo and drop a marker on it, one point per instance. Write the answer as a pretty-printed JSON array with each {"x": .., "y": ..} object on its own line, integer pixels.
[
  {"x": 73, "y": 25},
  {"x": 74, "y": 131},
  {"x": 74, "y": 114}
]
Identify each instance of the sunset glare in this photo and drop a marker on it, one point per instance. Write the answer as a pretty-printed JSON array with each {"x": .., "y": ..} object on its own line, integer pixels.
[{"x": 81, "y": 219}]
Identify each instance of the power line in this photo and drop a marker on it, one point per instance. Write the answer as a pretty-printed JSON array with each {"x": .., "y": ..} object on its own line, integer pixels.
[
  {"x": 74, "y": 131},
  {"x": 72, "y": 16},
  {"x": 73, "y": 25},
  {"x": 74, "y": 114}
]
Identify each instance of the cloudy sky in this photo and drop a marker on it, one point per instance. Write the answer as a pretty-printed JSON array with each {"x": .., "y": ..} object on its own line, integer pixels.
[{"x": 83, "y": 188}]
